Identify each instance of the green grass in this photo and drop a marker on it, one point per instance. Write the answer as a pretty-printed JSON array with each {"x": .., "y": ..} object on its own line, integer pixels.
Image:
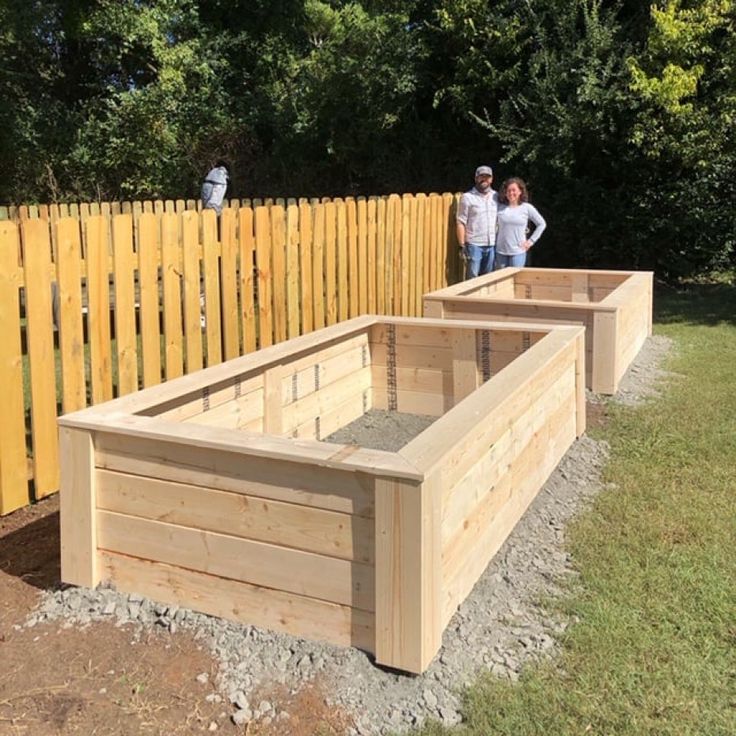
[{"x": 654, "y": 649}]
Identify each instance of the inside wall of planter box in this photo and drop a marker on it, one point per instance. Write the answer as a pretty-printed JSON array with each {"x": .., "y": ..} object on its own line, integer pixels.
[
  {"x": 221, "y": 490},
  {"x": 614, "y": 306}
]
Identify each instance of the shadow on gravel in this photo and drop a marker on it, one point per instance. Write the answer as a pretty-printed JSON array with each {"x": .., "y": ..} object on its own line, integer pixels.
[
  {"x": 31, "y": 552},
  {"x": 696, "y": 304}
]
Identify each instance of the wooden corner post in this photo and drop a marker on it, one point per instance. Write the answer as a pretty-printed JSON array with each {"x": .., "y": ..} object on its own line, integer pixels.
[
  {"x": 78, "y": 508},
  {"x": 408, "y": 574}
]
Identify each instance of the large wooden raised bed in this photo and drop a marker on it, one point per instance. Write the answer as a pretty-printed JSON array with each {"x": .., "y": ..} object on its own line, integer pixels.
[
  {"x": 215, "y": 492},
  {"x": 614, "y": 306}
]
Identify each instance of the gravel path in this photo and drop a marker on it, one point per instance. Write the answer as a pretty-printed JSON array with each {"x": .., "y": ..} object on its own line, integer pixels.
[{"x": 500, "y": 627}]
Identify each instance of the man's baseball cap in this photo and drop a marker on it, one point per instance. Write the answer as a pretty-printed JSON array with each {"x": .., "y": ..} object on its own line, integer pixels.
[{"x": 484, "y": 171}]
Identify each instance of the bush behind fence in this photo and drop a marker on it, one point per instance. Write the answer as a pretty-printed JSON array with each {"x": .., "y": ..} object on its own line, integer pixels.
[{"x": 97, "y": 301}]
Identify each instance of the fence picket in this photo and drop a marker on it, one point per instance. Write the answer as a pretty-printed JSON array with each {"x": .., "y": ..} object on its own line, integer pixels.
[
  {"x": 353, "y": 258},
  {"x": 229, "y": 281},
  {"x": 331, "y": 262},
  {"x": 98, "y": 308},
  {"x": 370, "y": 259},
  {"x": 71, "y": 327},
  {"x": 124, "y": 279},
  {"x": 39, "y": 329},
  {"x": 247, "y": 283},
  {"x": 278, "y": 247},
  {"x": 292, "y": 271},
  {"x": 192, "y": 290},
  {"x": 148, "y": 279},
  {"x": 305, "y": 266},
  {"x": 343, "y": 294},
  {"x": 318, "y": 265},
  {"x": 263, "y": 264},
  {"x": 13, "y": 469},
  {"x": 171, "y": 274}
]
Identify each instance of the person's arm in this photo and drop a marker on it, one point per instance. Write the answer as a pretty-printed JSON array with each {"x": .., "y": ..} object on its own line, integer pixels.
[
  {"x": 461, "y": 220},
  {"x": 539, "y": 225},
  {"x": 460, "y": 234}
]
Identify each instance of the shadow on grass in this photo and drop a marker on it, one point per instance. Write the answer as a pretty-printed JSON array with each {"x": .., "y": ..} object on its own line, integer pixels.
[
  {"x": 696, "y": 304},
  {"x": 31, "y": 552}
]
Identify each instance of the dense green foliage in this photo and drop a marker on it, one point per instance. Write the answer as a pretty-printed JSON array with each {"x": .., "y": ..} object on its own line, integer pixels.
[{"x": 618, "y": 112}]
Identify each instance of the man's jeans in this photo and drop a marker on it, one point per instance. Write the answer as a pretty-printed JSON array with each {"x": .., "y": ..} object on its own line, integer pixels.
[
  {"x": 478, "y": 259},
  {"x": 515, "y": 261}
]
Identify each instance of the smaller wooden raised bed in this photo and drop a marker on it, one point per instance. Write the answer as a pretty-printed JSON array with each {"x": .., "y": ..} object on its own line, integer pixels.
[
  {"x": 215, "y": 491},
  {"x": 614, "y": 306}
]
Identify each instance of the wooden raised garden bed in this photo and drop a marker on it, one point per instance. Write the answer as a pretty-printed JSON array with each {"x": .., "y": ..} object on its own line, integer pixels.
[
  {"x": 215, "y": 491},
  {"x": 614, "y": 306}
]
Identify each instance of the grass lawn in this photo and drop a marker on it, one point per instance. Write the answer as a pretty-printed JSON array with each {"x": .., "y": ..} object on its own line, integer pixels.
[{"x": 654, "y": 650}]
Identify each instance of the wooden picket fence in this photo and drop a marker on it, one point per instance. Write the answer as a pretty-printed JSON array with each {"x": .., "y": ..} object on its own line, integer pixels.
[{"x": 97, "y": 301}]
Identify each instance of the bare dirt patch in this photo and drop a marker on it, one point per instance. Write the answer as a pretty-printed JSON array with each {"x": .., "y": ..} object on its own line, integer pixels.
[{"x": 102, "y": 679}]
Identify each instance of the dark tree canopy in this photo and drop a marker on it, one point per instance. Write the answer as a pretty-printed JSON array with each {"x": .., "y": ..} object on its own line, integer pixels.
[{"x": 619, "y": 113}]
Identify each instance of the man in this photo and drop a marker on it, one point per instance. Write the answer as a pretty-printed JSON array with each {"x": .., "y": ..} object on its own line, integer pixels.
[
  {"x": 476, "y": 224},
  {"x": 214, "y": 188}
]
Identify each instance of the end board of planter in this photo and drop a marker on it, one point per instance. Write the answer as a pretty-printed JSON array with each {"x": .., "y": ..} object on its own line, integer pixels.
[
  {"x": 615, "y": 307},
  {"x": 217, "y": 491}
]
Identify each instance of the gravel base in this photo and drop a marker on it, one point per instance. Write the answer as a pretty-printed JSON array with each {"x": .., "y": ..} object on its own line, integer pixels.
[{"x": 500, "y": 627}]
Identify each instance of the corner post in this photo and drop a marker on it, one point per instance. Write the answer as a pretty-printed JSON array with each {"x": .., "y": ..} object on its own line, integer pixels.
[
  {"x": 78, "y": 516},
  {"x": 434, "y": 308},
  {"x": 408, "y": 573}
]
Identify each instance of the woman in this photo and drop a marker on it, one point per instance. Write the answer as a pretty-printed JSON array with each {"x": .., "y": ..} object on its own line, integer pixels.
[{"x": 514, "y": 214}]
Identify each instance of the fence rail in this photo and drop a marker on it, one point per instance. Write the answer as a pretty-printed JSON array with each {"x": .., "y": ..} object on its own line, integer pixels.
[{"x": 100, "y": 300}]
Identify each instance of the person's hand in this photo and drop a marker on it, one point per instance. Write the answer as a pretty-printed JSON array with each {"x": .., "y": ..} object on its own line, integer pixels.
[{"x": 527, "y": 244}]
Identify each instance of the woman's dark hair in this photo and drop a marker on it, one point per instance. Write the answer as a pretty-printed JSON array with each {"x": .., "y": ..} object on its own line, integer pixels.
[{"x": 520, "y": 183}]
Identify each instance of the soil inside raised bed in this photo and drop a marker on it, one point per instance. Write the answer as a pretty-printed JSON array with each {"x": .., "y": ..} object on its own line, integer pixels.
[{"x": 381, "y": 430}]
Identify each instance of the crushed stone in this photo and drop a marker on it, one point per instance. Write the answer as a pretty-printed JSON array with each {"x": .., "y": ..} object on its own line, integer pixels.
[{"x": 501, "y": 626}]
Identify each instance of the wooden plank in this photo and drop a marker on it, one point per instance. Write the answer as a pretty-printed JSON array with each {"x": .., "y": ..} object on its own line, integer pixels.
[
  {"x": 79, "y": 559},
  {"x": 318, "y": 266},
  {"x": 265, "y": 281},
  {"x": 371, "y": 273},
  {"x": 272, "y": 404},
  {"x": 331, "y": 277},
  {"x": 361, "y": 252},
  {"x": 514, "y": 495},
  {"x": 343, "y": 263},
  {"x": 211, "y": 268},
  {"x": 333, "y": 418},
  {"x": 192, "y": 279},
  {"x": 381, "y": 263},
  {"x": 406, "y": 272},
  {"x": 258, "y": 563},
  {"x": 13, "y": 474},
  {"x": 217, "y": 596},
  {"x": 317, "y": 403},
  {"x": 174, "y": 356},
  {"x": 306, "y": 263},
  {"x": 229, "y": 276},
  {"x": 125, "y": 327},
  {"x": 98, "y": 308},
  {"x": 421, "y": 273},
  {"x": 464, "y": 364},
  {"x": 247, "y": 246},
  {"x": 605, "y": 359},
  {"x": 291, "y": 482},
  {"x": 580, "y": 376},
  {"x": 291, "y": 525},
  {"x": 393, "y": 246},
  {"x": 148, "y": 277},
  {"x": 579, "y": 288},
  {"x": 408, "y": 583},
  {"x": 293, "y": 299},
  {"x": 71, "y": 329},
  {"x": 278, "y": 255}
]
